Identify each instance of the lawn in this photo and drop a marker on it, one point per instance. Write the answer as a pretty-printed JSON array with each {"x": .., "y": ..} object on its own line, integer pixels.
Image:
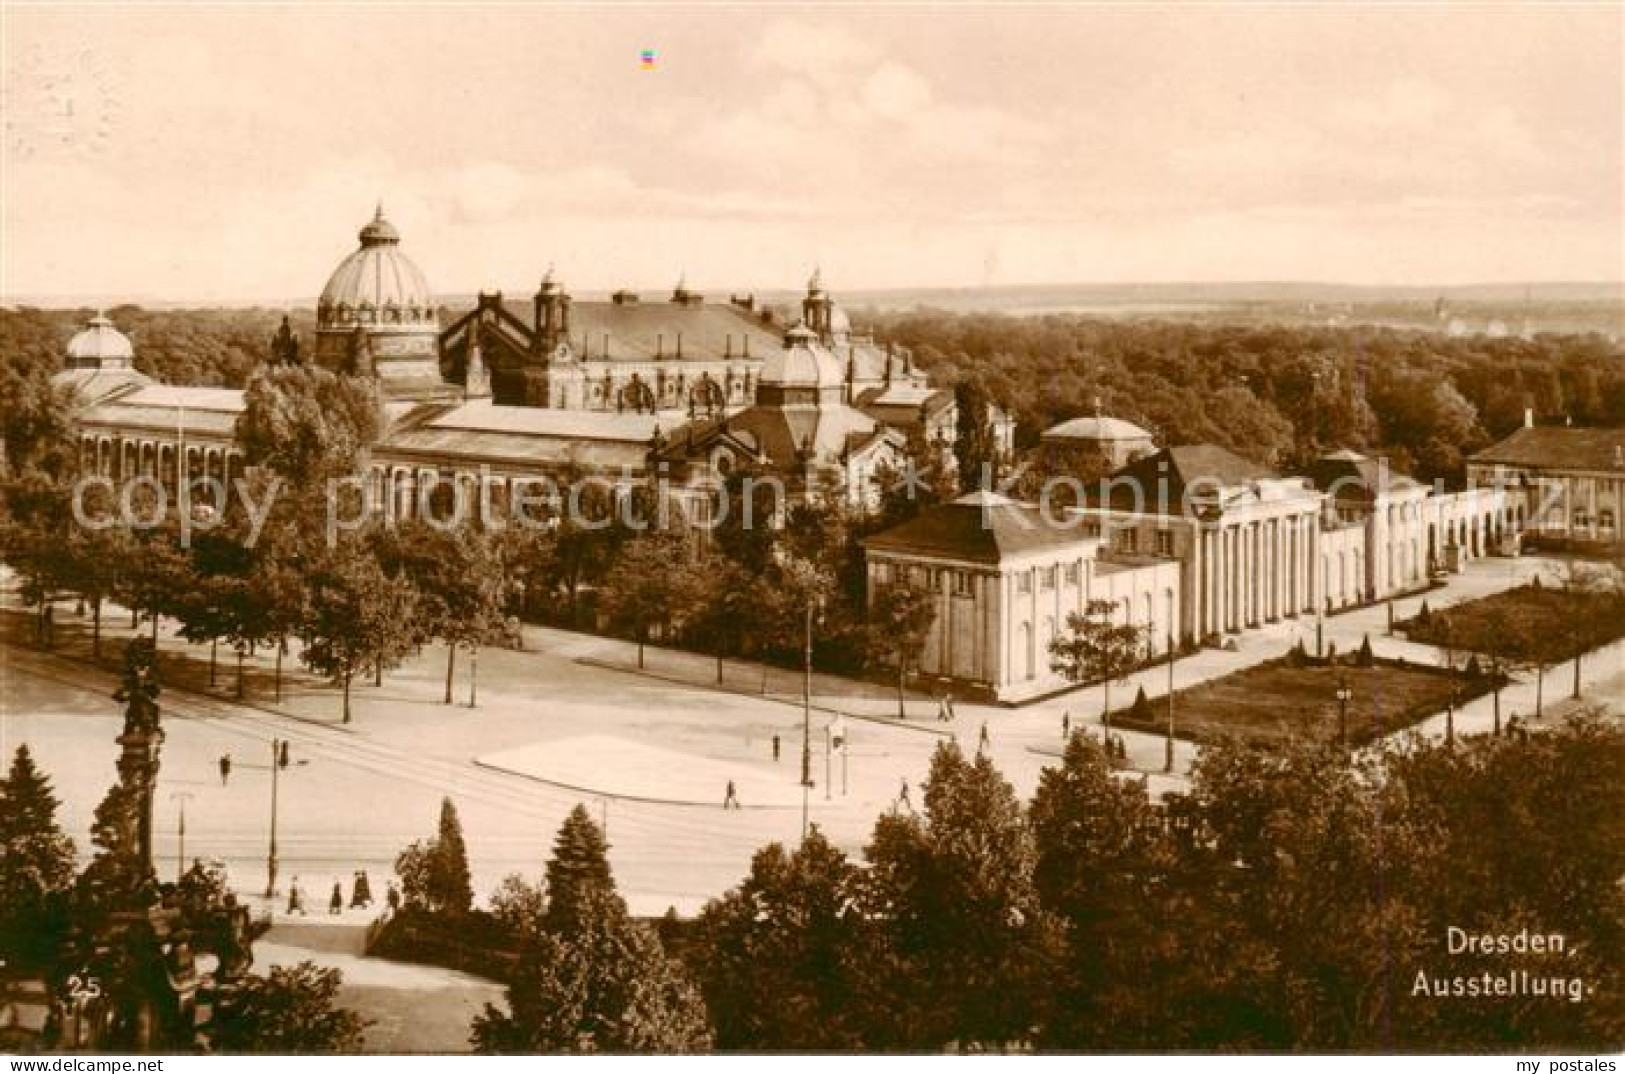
[
  {"x": 1545, "y": 614},
  {"x": 1280, "y": 700}
]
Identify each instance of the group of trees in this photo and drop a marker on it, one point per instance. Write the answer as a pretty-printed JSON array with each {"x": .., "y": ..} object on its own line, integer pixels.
[
  {"x": 1274, "y": 394},
  {"x": 1287, "y": 901}
]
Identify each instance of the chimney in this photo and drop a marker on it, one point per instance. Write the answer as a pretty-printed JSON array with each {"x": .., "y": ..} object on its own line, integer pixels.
[{"x": 1528, "y": 417}]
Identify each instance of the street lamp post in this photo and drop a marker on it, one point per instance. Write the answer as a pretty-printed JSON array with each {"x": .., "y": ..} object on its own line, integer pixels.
[
  {"x": 180, "y": 831},
  {"x": 1344, "y": 695},
  {"x": 270, "y": 858},
  {"x": 1168, "y": 751},
  {"x": 806, "y": 719}
]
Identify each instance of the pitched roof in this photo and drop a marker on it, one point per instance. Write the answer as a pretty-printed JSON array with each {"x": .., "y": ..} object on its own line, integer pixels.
[
  {"x": 982, "y": 527},
  {"x": 780, "y": 432},
  {"x": 1158, "y": 482},
  {"x": 1353, "y": 475},
  {"x": 1559, "y": 447}
]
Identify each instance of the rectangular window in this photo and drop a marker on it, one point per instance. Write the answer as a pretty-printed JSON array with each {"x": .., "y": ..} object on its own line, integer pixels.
[
  {"x": 962, "y": 583},
  {"x": 1072, "y": 573},
  {"x": 1165, "y": 543},
  {"x": 1046, "y": 578},
  {"x": 1024, "y": 582},
  {"x": 1127, "y": 540}
]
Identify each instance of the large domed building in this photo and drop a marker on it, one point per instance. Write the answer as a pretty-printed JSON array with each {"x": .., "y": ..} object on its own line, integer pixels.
[{"x": 377, "y": 316}]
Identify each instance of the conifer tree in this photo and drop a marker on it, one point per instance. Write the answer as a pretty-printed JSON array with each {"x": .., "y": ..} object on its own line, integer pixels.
[
  {"x": 36, "y": 858},
  {"x": 450, "y": 889}
]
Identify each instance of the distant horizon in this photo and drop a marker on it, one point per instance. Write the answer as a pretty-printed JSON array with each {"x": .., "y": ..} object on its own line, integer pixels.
[{"x": 1164, "y": 290}]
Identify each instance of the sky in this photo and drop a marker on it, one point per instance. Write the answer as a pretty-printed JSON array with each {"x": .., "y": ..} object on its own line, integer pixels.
[{"x": 218, "y": 153}]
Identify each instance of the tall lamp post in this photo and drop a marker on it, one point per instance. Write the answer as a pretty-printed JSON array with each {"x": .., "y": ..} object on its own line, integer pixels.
[
  {"x": 270, "y": 858},
  {"x": 806, "y": 719},
  {"x": 180, "y": 832},
  {"x": 1344, "y": 695},
  {"x": 1173, "y": 654},
  {"x": 279, "y": 761}
]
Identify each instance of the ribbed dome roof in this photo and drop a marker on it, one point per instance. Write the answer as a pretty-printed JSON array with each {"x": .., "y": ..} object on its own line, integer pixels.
[
  {"x": 377, "y": 284},
  {"x": 99, "y": 343},
  {"x": 803, "y": 362},
  {"x": 1096, "y": 427}
]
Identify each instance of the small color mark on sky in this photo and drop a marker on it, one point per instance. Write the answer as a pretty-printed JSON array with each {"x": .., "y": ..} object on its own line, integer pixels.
[{"x": 648, "y": 56}]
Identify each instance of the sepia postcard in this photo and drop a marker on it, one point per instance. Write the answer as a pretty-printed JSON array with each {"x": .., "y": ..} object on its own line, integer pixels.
[{"x": 797, "y": 529}]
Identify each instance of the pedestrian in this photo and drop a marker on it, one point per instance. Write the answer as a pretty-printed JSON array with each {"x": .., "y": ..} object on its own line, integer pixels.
[
  {"x": 948, "y": 699},
  {"x": 282, "y": 754},
  {"x": 1066, "y": 725},
  {"x": 775, "y": 748},
  {"x": 983, "y": 742},
  {"x": 392, "y": 895},
  {"x": 903, "y": 799},
  {"x": 225, "y": 767},
  {"x": 730, "y": 797},
  {"x": 943, "y": 712},
  {"x": 361, "y": 897},
  {"x": 296, "y": 899},
  {"x": 335, "y": 905}
]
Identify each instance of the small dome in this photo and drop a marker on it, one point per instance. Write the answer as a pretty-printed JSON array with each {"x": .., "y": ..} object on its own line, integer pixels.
[
  {"x": 99, "y": 344},
  {"x": 1097, "y": 428},
  {"x": 803, "y": 362},
  {"x": 377, "y": 284}
]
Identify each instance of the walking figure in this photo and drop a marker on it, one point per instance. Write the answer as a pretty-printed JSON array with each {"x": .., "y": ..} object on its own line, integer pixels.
[
  {"x": 392, "y": 895},
  {"x": 361, "y": 897},
  {"x": 948, "y": 699},
  {"x": 225, "y": 768},
  {"x": 983, "y": 742},
  {"x": 730, "y": 798},
  {"x": 903, "y": 798},
  {"x": 775, "y": 747},
  {"x": 296, "y": 899},
  {"x": 944, "y": 710},
  {"x": 1066, "y": 726},
  {"x": 335, "y": 905}
]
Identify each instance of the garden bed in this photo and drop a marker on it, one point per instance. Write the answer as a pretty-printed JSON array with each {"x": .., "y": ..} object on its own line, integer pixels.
[
  {"x": 1294, "y": 698},
  {"x": 1547, "y": 615}
]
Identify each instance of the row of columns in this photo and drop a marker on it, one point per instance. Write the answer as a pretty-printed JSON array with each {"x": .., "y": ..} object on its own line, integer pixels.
[
  {"x": 122, "y": 459},
  {"x": 1247, "y": 573}
]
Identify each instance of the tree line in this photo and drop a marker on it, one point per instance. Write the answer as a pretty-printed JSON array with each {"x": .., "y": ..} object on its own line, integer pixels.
[
  {"x": 1274, "y": 394},
  {"x": 1287, "y": 901}
]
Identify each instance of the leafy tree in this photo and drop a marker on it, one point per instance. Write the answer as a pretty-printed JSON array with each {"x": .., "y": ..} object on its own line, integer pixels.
[
  {"x": 593, "y": 980},
  {"x": 518, "y": 907},
  {"x": 1097, "y": 648},
  {"x": 308, "y": 424},
  {"x": 356, "y": 615},
  {"x": 791, "y": 931},
  {"x": 899, "y": 621},
  {"x": 721, "y": 606},
  {"x": 293, "y": 1010},
  {"x": 652, "y": 583},
  {"x": 966, "y": 945},
  {"x": 457, "y": 576}
]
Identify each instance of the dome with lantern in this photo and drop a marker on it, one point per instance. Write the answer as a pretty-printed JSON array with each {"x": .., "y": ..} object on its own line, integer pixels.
[
  {"x": 99, "y": 345},
  {"x": 377, "y": 284},
  {"x": 802, "y": 371}
]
